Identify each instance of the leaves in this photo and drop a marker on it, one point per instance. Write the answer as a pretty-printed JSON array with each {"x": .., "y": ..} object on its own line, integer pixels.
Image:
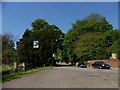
[
  {"x": 46, "y": 34},
  {"x": 39, "y": 24},
  {"x": 9, "y": 54},
  {"x": 90, "y": 46},
  {"x": 89, "y": 38}
]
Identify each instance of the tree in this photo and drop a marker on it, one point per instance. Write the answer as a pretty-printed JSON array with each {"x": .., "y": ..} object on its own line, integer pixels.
[
  {"x": 90, "y": 47},
  {"x": 39, "y": 24},
  {"x": 100, "y": 23},
  {"x": 112, "y": 41},
  {"x": 8, "y": 52},
  {"x": 115, "y": 48},
  {"x": 92, "y": 24},
  {"x": 46, "y": 34}
]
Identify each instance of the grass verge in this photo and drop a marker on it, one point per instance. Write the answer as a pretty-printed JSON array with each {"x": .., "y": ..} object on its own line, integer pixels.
[{"x": 16, "y": 75}]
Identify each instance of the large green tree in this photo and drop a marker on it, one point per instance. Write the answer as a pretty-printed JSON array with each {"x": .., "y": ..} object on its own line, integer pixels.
[
  {"x": 47, "y": 35},
  {"x": 93, "y": 23},
  {"x": 90, "y": 46}
]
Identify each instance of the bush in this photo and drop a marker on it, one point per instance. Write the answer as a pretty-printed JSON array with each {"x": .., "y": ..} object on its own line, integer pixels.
[{"x": 6, "y": 69}]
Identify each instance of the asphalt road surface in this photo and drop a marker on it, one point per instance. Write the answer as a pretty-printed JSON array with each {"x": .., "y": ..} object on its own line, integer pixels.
[{"x": 67, "y": 77}]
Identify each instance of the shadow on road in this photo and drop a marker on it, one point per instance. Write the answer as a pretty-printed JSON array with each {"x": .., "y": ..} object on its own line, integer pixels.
[{"x": 63, "y": 65}]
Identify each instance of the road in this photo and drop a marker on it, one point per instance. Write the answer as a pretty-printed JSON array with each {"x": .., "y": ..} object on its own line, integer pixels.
[{"x": 67, "y": 77}]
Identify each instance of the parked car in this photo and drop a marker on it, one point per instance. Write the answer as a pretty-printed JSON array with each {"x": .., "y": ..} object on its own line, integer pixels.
[
  {"x": 82, "y": 65},
  {"x": 100, "y": 65}
]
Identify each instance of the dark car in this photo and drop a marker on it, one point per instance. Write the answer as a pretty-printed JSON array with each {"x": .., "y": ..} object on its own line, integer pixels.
[
  {"x": 100, "y": 65},
  {"x": 82, "y": 65}
]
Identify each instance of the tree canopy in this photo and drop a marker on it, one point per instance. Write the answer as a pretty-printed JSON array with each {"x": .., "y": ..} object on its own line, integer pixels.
[
  {"x": 8, "y": 51},
  {"x": 87, "y": 39},
  {"x": 46, "y": 34},
  {"x": 90, "y": 38}
]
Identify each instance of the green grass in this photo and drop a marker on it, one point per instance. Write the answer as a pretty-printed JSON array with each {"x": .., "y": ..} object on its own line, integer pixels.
[{"x": 16, "y": 75}]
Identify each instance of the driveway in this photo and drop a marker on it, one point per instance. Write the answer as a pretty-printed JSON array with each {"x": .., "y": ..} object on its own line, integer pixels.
[{"x": 67, "y": 77}]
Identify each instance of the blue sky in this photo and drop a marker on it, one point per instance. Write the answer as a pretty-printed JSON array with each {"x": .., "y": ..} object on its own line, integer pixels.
[
  {"x": 0, "y": 17},
  {"x": 16, "y": 17}
]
